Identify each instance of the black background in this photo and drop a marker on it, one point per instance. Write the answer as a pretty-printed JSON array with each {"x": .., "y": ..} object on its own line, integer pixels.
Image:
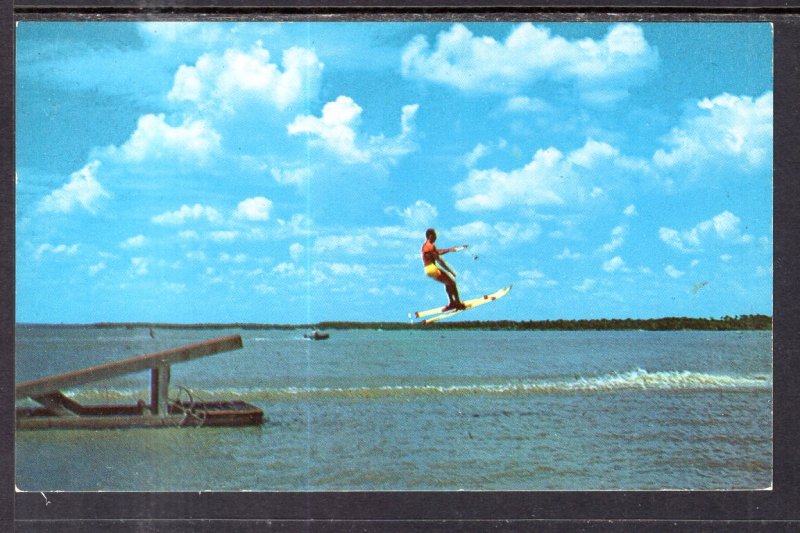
[{"x": 769, "y": 510}]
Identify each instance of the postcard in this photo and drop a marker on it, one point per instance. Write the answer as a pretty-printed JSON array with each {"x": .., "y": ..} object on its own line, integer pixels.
[{"x": 429, "y": 255}]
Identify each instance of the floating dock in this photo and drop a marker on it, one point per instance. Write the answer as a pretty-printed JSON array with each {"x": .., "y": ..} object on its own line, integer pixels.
[{"x": 59, "y": 411}]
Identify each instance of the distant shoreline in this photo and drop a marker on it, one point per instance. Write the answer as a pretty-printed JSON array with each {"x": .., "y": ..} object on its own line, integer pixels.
[{"x": 728, "y": 323}]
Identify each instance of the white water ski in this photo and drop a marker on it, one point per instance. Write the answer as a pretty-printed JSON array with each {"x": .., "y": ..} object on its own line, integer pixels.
[{"x": 441, "y": 314}]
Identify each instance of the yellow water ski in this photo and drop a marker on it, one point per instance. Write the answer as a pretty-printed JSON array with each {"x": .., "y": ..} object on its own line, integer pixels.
[{"x": 469, "y": 304}]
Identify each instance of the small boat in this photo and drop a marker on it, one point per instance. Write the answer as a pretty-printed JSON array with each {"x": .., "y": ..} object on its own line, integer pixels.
[{"x": 317, "y": 335}]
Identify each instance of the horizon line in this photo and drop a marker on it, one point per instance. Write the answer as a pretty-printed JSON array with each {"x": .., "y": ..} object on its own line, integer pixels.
[{"x": 339, "y": 322}]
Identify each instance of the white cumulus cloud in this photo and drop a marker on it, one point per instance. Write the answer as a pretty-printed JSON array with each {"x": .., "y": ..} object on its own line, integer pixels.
[
  {"x": 254, "y": 209},
  {"x": 724, "y": 227},
  {"x": 587, "y": 284},
  {"x": 617, "y": 240},
  {"x": 479, "y": 151},
  {"x": 83, "y": 190},
  {"x": 134, "y": 242},
  {"x": 602, "y": 70},
  {"x": 288, "y": 269},
  {"x": 56, "y": 249},
  {"x": 139, "y": 266},
  {"x": 235, "y": 78},
  {"x": 420, "y": 213},
  {"x": 296, "y": 251},
  {"x": 614, "y": 264},
  {"x": 336, "y": 130},
  {"x": 724, "y": 130},
  {"x": 535, "y": 278},
  {"x": 98, "y": 267},
  {"x": 550, "y": 178},
  {"x": 567, "y": 254},
  {"x": 298, "y": 224},
  {"x": 187, "y": 213},
  {"x": 673, "y": 272},
  {"x": 525, "y": 104},
  {"x": 155, "y": 139},
  {"x": 263, "y": 288}
]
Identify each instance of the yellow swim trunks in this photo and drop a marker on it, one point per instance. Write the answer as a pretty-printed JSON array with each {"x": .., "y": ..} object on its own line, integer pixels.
[{"x": 432, "y": 270}]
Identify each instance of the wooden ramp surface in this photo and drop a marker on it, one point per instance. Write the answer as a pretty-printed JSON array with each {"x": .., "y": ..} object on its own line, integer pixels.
[
  {"x": 60, "y": 411},
  {"x": 42, "y": 386}
]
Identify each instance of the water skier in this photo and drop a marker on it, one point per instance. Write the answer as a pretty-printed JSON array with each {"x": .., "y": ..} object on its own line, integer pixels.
[{"x": 436, "y": 268}]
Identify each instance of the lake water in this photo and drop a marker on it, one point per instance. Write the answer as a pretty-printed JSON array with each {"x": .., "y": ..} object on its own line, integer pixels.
[{"x": 421, "y": 410}]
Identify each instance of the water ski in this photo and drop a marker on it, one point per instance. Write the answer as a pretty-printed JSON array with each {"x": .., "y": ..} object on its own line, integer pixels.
[{"x": 440, "y": 313}]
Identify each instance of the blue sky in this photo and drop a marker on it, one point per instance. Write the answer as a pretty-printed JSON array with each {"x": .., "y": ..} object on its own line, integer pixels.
[{"x": 286, "y": 172}]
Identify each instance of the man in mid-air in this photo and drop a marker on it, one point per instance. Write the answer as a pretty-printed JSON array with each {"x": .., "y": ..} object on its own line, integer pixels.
[{"x": 436, "y": 268}]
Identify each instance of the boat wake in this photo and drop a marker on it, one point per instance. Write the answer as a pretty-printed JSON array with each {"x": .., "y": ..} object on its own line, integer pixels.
[{"x": 638, "y": 380}]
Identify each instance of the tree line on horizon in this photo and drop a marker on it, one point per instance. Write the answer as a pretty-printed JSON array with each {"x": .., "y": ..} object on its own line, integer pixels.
[{"x": 727, "y": 323}]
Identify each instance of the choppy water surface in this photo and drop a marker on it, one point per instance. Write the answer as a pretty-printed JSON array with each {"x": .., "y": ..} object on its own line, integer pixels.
[{"x": 422, "y": 410}]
